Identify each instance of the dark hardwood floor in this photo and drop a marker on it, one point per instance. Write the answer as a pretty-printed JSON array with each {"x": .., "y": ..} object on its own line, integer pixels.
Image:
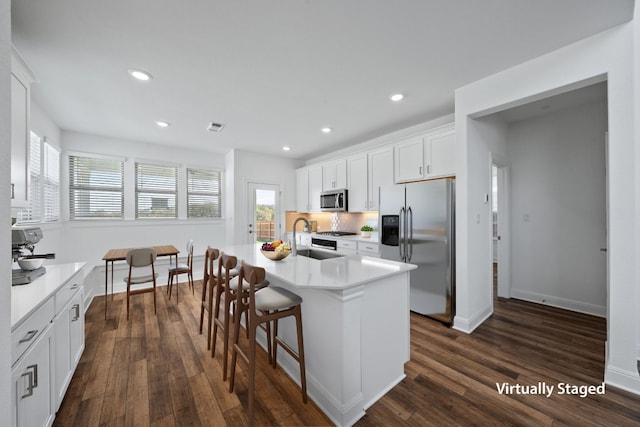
[{"x": 156, "y": 371}]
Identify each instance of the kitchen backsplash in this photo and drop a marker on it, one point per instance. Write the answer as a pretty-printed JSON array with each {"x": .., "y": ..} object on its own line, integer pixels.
[{"x": 334, "y": 221}]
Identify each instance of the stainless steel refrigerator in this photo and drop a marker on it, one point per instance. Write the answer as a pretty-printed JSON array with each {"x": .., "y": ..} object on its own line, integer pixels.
[{"x": 417, "y": 226}]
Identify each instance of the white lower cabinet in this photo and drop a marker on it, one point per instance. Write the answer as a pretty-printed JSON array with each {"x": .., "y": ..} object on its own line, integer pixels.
[
  {"x": 69, "y": 342},
  {"x": 369, "y": 249},
  {"x": 347, "y": 247},
  {"x": 46, "y": 343},
  {"x": 32, "y": 397}
]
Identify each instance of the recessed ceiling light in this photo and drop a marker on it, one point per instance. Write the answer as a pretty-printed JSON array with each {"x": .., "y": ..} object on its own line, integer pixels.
[
  {"x": 140, "y": 75},
  {"x": 327, "y": 130},
  {"x": 286, "y": 148},
  {"x": 163, "y": 124},
  {"x": 396, "y": 97}
]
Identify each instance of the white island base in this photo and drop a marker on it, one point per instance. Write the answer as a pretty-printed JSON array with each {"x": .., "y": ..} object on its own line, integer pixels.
[{"x": 356, "y": 344}]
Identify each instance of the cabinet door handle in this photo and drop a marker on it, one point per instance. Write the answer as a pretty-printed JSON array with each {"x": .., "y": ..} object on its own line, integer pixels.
[
  {"x": 75, "y": 286},
  {"x": 428, "y": 169},
  {"x": 75, "y": 308},
  {"x": 420, "y": 170},
  {"x": 29, "y": 384},
  {"x": 13, "y": 191},
  {"x": 29, "y": 336},
  {"x": 35, "y": 374}
]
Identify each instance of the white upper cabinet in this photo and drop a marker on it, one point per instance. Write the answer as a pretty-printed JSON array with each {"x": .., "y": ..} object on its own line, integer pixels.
[
  {"x": 315, "y": 187},
  {"x": 409, "y": 159},
  {"x": 425, "y": 156},
  {"x": 21, "y": 78},
  {"x": 357, "y": 183},
  {"x": 380, "y": 174},
  {"x": 308, "y": 188},
  {"x": 334, "y": 175},
  {"x": 302, "y": 190},
  {"x": 440, "y": 154}
]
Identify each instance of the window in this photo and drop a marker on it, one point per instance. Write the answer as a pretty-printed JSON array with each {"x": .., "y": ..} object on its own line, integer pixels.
[
  {"x": 44, "y": 186},
  {"x": 95, "y": 187},
  {"x": 203, "y": 194},
  {"x": 156, "y": 191}
]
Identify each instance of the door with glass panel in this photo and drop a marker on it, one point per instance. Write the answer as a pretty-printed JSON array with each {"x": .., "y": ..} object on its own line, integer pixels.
[{"x": 263, "y": 218}]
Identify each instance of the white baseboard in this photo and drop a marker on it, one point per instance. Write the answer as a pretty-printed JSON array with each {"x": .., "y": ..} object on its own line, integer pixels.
[
  {"x": 468, "y": 325},
  {"x": 623, "y": 379},
  {"x": 94, "y": 280},
  {"x": 559, "y": 302}
]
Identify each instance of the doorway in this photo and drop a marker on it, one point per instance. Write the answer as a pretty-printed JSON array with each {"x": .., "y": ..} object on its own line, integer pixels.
[
  {"x": 263, "y": 218},
  {"x": 499, "y": 229}
]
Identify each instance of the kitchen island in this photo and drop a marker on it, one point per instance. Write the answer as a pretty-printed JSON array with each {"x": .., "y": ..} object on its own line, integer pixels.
[{"x": 355, "y": 316}]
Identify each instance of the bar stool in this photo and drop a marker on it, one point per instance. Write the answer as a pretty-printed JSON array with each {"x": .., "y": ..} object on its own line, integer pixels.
[
  {"x": 226, "y": 289},
  {"x": 264, "y": 305},
  {"x": 208, "y": 286},
  {"x": 226, "y": 264}
]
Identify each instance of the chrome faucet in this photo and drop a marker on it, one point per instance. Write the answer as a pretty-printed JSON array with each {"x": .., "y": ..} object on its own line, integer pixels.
[{"x": 294, "y": 248}]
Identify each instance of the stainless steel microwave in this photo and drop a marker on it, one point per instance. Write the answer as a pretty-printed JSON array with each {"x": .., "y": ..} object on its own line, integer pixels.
[{"x": 334, "y": 201}]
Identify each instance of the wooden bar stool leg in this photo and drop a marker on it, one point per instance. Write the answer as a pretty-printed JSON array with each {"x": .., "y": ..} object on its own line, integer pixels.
[
  {"x": 303, "y": 376},
  {"x": 216, "y": 313},
  {"x": 252, "y": 371},
  {"x": 275, "y": 343},
  {"x": 210, "y": 312},
  {"x": 226, "y": 322},
  {"x": 234, "y": 352}
]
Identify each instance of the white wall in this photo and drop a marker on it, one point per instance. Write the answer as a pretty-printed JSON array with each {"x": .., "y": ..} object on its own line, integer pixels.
[
  {"x": 490, "y": 144},
  {"x": 89, "y": 240},
  {"x": 609, "y": 54},
  {"x": 558, "y": 208},
  {"x": 43, "y": 126},
  {"x": 260, "y": 168},
  {"x": 5, "y": 207}
]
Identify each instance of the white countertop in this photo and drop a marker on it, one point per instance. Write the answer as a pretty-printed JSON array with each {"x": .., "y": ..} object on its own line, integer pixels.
[
  {"x": 335, "y": 273},
  {"x": 25, "y": 299}
]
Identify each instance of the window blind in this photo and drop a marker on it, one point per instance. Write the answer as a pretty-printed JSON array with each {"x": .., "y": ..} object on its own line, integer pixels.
[
  {"x": 44, "y": 182},
  {"x": 33, "y": 212},
  {"x": 95, "y": 188},
  {"x": 156, "y": 191},
  {"x": 203, "y": 194},
  {"x": 51, "y": 184}
]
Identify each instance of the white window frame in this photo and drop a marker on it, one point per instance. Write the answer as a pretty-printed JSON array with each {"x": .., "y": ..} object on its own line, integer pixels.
[
  {"x": 194, "y": 193},
  {"x": 153, "y": 185},
  {"x": 103, "y": 186}
]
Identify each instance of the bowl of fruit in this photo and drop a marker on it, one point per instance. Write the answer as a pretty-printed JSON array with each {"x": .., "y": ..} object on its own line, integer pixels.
[{"x": 275, "y": 250}]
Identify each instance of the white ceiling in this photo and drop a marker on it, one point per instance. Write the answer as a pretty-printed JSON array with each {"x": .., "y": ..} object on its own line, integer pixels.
[
  {"x": 275, "y": 72},
  {"x": 586, "y": 95}
]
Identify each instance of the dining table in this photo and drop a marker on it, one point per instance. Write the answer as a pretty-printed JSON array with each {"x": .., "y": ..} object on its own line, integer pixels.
[{"x": 120, "y": 254}]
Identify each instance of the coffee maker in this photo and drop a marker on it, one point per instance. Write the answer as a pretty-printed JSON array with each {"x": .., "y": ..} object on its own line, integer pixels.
[{"x": 23, "y": 241}]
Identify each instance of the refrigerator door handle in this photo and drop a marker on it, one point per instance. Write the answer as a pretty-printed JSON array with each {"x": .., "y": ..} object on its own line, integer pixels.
[
  {"x": 410, "y": 230},
  {"x": 401, "y": 233}
]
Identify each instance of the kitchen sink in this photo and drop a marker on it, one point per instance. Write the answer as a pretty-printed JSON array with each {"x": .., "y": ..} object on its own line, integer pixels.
[{"x": 310, "y": 253}]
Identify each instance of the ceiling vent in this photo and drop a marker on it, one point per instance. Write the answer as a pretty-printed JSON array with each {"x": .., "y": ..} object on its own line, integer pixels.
[{"x": 215, "y": 127}]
